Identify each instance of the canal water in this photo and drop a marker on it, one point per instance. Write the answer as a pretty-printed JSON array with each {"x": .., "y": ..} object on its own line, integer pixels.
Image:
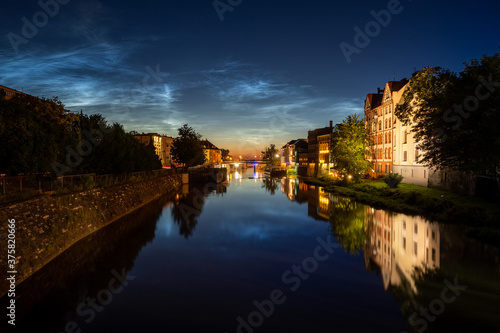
[{"x": 261, "y": 255}]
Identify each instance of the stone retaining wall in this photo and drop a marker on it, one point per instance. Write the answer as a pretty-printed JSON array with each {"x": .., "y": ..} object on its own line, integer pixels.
[{"x": 48, "y": 225}]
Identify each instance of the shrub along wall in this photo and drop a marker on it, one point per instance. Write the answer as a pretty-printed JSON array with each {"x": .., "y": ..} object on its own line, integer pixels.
[{"x": 48, "y": 225}]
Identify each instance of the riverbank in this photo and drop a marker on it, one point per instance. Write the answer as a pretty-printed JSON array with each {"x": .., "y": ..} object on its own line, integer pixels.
[
  {"x": 480, "y": 217},
  {"x": 48, "y": 225}
]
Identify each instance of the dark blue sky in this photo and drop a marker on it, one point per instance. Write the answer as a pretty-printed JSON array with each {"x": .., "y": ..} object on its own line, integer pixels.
[{"x": 267, "y": 73}]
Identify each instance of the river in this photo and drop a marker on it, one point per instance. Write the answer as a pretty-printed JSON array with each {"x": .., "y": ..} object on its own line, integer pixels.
[{"x": 261, "y": 255}]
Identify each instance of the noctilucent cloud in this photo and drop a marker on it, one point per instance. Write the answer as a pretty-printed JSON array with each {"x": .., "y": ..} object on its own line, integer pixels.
[{"x": 243, "y": 73}]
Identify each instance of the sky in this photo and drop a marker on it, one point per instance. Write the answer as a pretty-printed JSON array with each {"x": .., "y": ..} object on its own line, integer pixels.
[{"x": 243, "y": 73}]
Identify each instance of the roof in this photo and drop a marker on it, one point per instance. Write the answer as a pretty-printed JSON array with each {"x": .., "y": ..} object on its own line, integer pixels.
[
  {"x": 397, "y": 85},
  {"x": 375, "y": 100},
  {"x": 208, "y": 145}
]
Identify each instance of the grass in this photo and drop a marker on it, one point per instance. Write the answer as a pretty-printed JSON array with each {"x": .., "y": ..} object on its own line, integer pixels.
[{"x": 479, "y": 215}]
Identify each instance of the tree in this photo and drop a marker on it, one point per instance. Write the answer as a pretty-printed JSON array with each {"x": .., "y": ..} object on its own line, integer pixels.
[
  {"x": 347, "y": 218},
  {"x": 271, "y": 155},
  {"x": 33, "y": 133},
  {"x": 224, "y": 154},
  {"x": 349, "y": 144},
  {"x": 187, "y": 148},
  {"x": 455, "y": 117}
]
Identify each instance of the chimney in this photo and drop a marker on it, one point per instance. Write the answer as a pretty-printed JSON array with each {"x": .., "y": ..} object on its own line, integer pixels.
[
  {"x": 331, "y": 124},
  {"x": 379, "y": 91}
]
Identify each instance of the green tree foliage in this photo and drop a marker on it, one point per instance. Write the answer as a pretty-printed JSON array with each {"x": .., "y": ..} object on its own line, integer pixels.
[
  {"x": 33, "y": 133},
  {"x": 271, "y": 155},
  {"x": 37, "y": 134},
  {"x": 347, "y": 219},
  {"x": 187, "y": 148},
  {"x": 455, "y": 117},
  {"x": 224, "y": 154},
  {"x": 349, "y": 144}
]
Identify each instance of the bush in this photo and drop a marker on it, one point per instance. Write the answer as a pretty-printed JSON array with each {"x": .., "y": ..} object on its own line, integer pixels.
[
  {"x": 393, "y": 179},
  {"x": 291, "y": 172},
  {"x": 88, "y": 183}
]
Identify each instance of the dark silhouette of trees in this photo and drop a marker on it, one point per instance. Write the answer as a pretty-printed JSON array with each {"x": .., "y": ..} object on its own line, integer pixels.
[
  {"x": 455, "y": 117},
  {"x": 187, "y": 148}
]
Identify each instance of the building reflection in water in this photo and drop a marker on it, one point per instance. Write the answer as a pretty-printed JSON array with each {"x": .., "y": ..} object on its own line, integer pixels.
[
  {"x": 413, "y": 257},
  {"x": 399, "y": 243}
]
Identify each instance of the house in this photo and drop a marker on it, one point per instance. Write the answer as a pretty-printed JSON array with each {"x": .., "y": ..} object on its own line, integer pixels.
[
  {"x": 162, "y": 144},
  {"x": 212, "y": 153},
  {"x": 9, "y": 92},
  {"x": 379, "y": 120},
  {"x": 405, "y": 149},
  {"x": 319, "y": 151},
  {"x": 294, "y": 155}
]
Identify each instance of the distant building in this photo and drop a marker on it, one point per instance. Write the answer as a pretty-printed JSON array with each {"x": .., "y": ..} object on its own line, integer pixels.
[
  {"x": 162, "y": 144},
  {"x": 212, "y": 153},
  {"x": 319, "y": 151},
  {"x": 9, "y": 92},
  {"x": 294, "y": 155}
]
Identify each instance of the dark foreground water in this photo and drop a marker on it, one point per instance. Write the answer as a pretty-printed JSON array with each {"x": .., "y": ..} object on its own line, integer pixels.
[{"x": 266, "y": 256}]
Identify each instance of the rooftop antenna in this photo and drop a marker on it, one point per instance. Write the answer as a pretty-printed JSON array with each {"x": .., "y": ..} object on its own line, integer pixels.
[{"x": 394, "y": 76}]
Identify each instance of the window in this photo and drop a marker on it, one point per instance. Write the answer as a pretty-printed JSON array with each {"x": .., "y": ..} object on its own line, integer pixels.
[
  {"x": 389, "y": 137},
  {"x": 385, "y": 154},
  {"x": 387, "y": 168},
  {"x": 415, "y": 248},
  {"x": 433, "y": 234},
  {"x": 390, "y": 108},
  {"x": 416, "y": 155},
  {"x": 405, "y": 137},
  {"x": 433, "y": 254},
  {"x": 416, "y": 228},
  {"x": 405, "y": 155},
  {"x": 380, "y": 125},
  {"x": 389, "y": 152},
  {"x": 404, "y": 243},
  {"x": 386, "y": 123}
]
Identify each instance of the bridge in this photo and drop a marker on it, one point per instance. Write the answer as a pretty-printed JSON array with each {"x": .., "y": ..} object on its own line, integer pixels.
[{"x": 246, "y": 162}]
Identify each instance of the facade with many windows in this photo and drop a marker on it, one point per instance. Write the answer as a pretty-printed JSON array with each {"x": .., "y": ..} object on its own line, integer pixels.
[
  {"x": 406, "y": 152},
  {"x": 379, "y": 120},
  {"x": 162, "y": 145}
]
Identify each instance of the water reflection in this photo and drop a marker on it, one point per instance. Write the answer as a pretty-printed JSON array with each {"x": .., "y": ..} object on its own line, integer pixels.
[
  {"x": 415, "y": 258},
  {"x": 49, "y": 296},
  {"x": 189, "y": 206}
]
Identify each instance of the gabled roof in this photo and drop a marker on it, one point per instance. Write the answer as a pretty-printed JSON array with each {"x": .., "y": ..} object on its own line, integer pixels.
[
  {"x": 208, "y": 145},
  {"x": 373, "y": 100}
]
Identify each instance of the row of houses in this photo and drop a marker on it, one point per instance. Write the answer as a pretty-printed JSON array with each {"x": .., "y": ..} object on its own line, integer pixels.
[
  {"x": 311, "y": 156},
  {"x": 391, "y": 147},
  {"x": 163, "y": 147}
]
